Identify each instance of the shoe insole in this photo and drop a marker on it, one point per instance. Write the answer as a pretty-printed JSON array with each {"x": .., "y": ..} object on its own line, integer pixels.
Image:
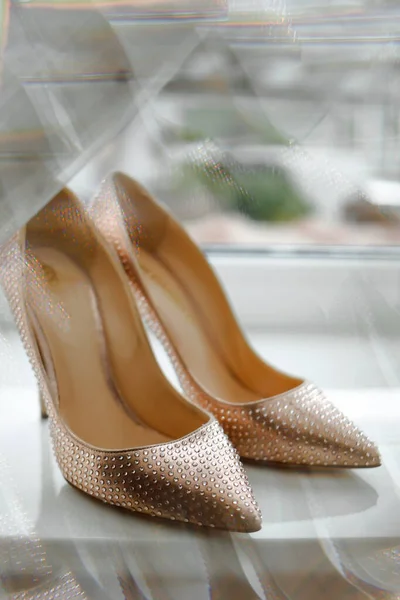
[
  {"x": 183, "y": 321},
  {"x": 79, "y": 344}
]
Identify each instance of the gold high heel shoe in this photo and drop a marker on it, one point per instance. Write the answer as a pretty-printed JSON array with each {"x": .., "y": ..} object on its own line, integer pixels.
[
  {"x": 120, "y": 431},
  {"x": 268, "y": 415}
]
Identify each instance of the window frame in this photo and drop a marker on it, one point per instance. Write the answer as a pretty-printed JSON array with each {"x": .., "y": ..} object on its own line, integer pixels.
[{"x": 326, "y": 290}]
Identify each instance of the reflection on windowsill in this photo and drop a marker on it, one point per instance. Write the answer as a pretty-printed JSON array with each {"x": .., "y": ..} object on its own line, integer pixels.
[{"x": 318, "y": 527}]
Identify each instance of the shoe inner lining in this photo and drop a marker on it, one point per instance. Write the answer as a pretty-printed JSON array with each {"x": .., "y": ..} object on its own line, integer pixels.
[{"x": 193, "y": 307}]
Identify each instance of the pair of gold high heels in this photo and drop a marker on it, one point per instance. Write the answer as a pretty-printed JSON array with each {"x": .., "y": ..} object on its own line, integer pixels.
[{"x": 80, "y": 281}]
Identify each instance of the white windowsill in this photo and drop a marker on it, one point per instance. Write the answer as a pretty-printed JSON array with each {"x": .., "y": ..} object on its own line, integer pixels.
[
  {"x": 304, "y": 316},
  {"x": 312, "y": 294}
]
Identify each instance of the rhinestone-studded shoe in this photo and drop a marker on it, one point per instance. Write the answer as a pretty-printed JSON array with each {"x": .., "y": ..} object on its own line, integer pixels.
[
  {"x": 120, "y": 432},
  {"x": 269, "y": 416}
]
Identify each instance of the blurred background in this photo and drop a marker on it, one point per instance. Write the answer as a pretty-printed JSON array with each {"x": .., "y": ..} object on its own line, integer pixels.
[
  {"x": 260, "y": 122},
  {"x": 278, "y": 126},
  {"x": 271, "y": 128}
]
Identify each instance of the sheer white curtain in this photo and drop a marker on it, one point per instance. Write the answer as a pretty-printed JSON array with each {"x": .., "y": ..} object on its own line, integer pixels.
[{"x": 72, "y": 78}]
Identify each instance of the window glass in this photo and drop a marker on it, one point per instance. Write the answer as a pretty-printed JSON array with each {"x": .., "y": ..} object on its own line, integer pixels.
[{"x": 280, "y": 126}]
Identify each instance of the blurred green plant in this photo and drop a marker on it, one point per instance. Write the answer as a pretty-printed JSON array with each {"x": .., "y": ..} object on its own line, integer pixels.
[
  {"x": 262, "y": 193},
  {"x": 268, "y": 195}
]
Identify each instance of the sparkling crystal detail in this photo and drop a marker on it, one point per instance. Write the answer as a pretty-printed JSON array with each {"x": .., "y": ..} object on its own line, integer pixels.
[
  {"x": 148, "y": 477},
  {"x": 298, "y": 427}
]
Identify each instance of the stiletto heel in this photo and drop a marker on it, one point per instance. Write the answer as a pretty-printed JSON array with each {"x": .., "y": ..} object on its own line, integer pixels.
[
  {"x": 43, "y": 409},
  {"x": 120, "y": 431},
  {"x": 268, "y": 415}
]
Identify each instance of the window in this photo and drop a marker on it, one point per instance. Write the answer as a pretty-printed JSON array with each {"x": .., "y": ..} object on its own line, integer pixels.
[
  {"x": 273, "y": 135},
  {"x": 278, "y": 135},
  {"x": 277, "y": 145}
]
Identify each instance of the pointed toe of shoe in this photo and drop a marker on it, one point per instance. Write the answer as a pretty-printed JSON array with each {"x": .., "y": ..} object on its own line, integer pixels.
[
  {"x": 300, "y": 427},
  {"x": 205, "y": 484},
  {"x": 237, "y": 514},
  {"x": 235, "y": 509},
  {"x": 361, "y": 454},
  {"x": 197, "y": 479},
  {"x": 345, "y": 447},
  {"x": 213, "y": 489},
  {"x": 249, "y": 519}
]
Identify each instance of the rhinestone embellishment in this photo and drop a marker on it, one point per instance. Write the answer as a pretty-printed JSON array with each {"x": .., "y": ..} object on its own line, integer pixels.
[
  {"x": 196, "y": 479},
  {"x": 300, "y": 427}
]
